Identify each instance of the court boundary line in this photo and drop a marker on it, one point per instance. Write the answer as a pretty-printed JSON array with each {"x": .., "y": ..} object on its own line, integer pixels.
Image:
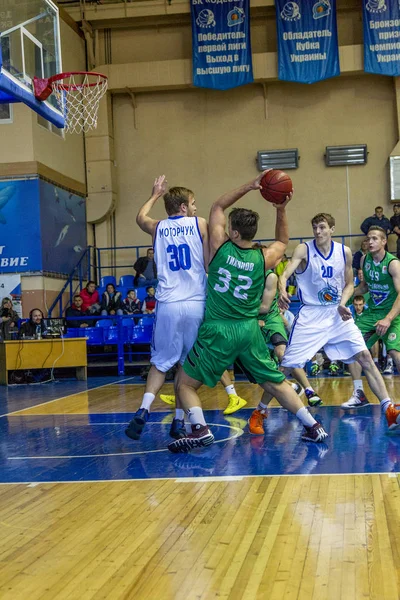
[
  {"x": 15, "y": 412},
  {"x": 200, "y": 479}
]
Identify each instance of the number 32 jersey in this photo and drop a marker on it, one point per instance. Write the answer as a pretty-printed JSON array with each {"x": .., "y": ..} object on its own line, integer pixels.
[
  {"x": 178, "y": 252},
  {"x": 235, "y": 283},
  {"x": 323, "y": 279}
]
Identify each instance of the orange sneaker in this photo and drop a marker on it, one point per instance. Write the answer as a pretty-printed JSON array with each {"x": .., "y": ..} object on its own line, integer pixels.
[
  {"x": 393, "y": 417},
  {"x": 256, "y": 422}
]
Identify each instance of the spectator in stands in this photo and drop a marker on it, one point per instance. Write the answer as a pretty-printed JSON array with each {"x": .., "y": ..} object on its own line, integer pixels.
[
  {"x": 8, "y": 319},
  {"x": 146, "y": 270},
  {"x": 111, "y": 301},
  {"x": 395, "y": 225},
  {"x": 358, "y": 256},
  {"x": 358, "y": 306},
  {"x": 75, "y": 310},
  {"x": 35, "y": 327},
  {"x": 377, "y": 219},
  {"x": 91, "y": 298},
  {"x": 149, "y": 303},
  {"x": 131, "y": 304}
]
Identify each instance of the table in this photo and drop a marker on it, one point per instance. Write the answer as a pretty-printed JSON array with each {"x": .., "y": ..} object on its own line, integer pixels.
[{"x": 18, "y": 355}]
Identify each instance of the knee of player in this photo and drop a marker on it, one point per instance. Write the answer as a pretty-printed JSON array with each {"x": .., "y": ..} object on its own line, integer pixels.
[{"x": 364, "y": 359}]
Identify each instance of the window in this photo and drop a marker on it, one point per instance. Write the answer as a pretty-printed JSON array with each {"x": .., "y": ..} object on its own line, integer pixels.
[
  {"x": 50, "y": 127},
  {"x": 6, "y": 114}
]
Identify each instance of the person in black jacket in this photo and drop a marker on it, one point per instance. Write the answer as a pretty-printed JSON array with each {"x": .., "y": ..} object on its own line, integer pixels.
[
  {"x": 111, "y": 301},
  {"x": 146, "y": 270},
  {"x": 75, "y": 310},
  {"x": 378, "y": 219},
  {"x": 395, "y": 223},
  {"x": 35, "y": 327}
]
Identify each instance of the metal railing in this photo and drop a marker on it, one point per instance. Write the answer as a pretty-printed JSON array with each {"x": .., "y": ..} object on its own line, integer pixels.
[{"x": 75, "y": 282}]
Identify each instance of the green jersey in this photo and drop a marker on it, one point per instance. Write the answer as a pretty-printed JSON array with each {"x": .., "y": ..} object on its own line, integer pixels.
[
  {"x": 274, "y": 309},
  {"x": 235, "y": 283},
  {"x": 380, "y": 283}
]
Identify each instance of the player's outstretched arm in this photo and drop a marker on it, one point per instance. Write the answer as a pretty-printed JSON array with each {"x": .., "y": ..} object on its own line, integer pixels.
[
  {"x": 348, "y": 289},
  {"x": 383, "y": 324},
  {"x": 203, "y": 226},
  {"x": 146, "y": 223},
  {"x": 299, "y": 257},
  {"x": 271, "y": 284},
  {"x": 275, "y": 251},
  {"x": 217, "y": 220}
]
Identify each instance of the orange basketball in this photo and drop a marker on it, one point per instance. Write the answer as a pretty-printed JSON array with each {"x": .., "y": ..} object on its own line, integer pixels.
[{"x": 276, "y": 186}]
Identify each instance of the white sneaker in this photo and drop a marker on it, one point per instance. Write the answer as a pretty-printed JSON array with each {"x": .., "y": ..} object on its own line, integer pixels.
[
  {"x": 357, "y": 400},
  {"x": 389, "y": 369}
]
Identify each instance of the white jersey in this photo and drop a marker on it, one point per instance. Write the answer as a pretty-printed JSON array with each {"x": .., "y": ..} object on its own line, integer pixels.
[
  {"x": 322, "y": 281},
  {"x": 178, "y": 252}
]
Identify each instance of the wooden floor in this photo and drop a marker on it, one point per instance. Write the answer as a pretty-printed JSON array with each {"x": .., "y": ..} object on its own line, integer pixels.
[{"x": 298, "y": 537}]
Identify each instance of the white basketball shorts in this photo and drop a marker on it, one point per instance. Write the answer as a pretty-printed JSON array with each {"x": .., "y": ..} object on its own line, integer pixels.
[
  {"x": 317, "y": 327},
  {"x": 175, "y": 331}
]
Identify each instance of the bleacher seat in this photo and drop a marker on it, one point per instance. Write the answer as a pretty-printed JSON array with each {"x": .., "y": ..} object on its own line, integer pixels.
[
  {"x": 141, "y": 335},
  {"x": 146, "y": 321},
  {"x": 104, "y": 323},
  {"x": 141, "y": 293},
  {"x": 95, "y": 336},
  {"x": 104, "y": 281},
  {"x": 73, "y": 332},
  {"x": 126, "y": 281}
]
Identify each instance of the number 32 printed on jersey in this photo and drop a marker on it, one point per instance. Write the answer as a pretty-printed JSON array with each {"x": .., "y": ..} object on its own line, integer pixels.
[{"x": 225, "y": 279}]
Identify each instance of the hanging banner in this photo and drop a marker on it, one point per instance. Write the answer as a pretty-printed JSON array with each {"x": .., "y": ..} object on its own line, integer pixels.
[
  {"x": 221, "y": 43},
  {"x": 381, "y": 20},
  {"x": 307, "y": 40}
]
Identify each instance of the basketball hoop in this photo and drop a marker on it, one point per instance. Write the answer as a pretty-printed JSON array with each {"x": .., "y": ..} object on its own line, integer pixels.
[{"x": 78, "y": 96}]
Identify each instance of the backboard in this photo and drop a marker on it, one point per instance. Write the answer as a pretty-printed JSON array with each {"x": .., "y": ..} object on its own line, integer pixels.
[{"x": 29, "y": 46}]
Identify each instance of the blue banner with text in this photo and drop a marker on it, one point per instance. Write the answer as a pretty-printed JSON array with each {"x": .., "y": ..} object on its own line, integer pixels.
[
  {"x": 381, "y": 20},
  {"x": 307, "y": 40},
  {"x": 221, "y": 43}
]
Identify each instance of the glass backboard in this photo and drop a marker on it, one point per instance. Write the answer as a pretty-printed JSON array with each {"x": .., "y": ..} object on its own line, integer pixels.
[{"x": 29, "y": 46}]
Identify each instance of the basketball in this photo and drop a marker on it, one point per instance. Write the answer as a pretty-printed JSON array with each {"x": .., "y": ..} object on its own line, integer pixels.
[{"x": 276, "y": 186}]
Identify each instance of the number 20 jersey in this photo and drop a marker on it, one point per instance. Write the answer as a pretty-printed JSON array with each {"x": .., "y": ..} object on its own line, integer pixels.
[
  {"x": 178, "y": 252},
  {"x": 322, "y": 281}
]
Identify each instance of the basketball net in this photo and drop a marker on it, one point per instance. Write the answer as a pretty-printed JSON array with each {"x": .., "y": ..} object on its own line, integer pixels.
[{"x": 78, "y": 96}]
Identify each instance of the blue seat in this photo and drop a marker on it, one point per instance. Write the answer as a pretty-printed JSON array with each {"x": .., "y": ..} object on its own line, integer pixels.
[
  {"x": 141, "y": 293},
  {"x": 104, "y": 281},
  {"x": 111, "y": 335},
  {"x": 141, "y": 335},
  {"x": 126, "y": 281},
  {"x": 95, "y": 336},
  {"x": 146, "y": 321},
  {"x": 73, "y": 332},
  {"x": 104, "y": 323}
]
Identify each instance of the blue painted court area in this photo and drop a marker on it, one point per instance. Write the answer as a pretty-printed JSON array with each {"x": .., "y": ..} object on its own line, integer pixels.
[{"x": 51, "y": 448}]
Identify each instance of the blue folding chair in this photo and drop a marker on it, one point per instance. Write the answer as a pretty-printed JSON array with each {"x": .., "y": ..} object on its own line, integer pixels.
[
  {"x": 104, "y": 281},
  {"x": 104, "y": 323},
  {"x": 146, "y": 321},
  {"x": 73, "y": 332},
  {"x": 141, "y": 293},
  {"x": 127, "y": 327},
  {"x": 126, "y": 281},
  {"x": 141, "y": 335},
  {"x": 111, "y": 335}
]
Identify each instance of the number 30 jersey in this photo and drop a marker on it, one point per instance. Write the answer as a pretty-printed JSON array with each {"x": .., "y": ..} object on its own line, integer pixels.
[
  {"x": 323, "y": 279},
  {"x": 235, "y": 283},
  {"x": 178, "y": 252}
]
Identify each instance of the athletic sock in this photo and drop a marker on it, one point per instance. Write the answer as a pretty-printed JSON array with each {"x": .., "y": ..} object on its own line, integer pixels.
[
  {"x": 305, "y": 417},
  {"x": 376, "y": 361},
  {"x": 358, "y": 385},
  {"x": 147, "y": 401},
  {"x": 179, "y": 414},
  {"x": 196, "y": 416},
  {"x": 385, "y": 403},
  {"x": 230, "y": 389},
  {"x": 262, "y": 407}
]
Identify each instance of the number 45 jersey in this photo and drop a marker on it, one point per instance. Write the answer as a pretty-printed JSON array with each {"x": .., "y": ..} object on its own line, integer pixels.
[
  {"x": 178, "y": 252},
  {"x": 323, "y": 279},
  {"x": 235, "y": 283}
]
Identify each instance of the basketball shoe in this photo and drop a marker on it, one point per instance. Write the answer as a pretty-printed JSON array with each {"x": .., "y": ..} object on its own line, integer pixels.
[
  {"x": 235, "y": 403},
  {"x": 137, "y": 424},
  {"x": 316, "y": 433},
  {"x": 334, "y": 369},
  {"x": 256, "y": 422},
  {"x": 393, "y": 416},
  {"x": 389, "y": 368},
  {"x": 177, "y": 429},
  {"x": 168, "y": 399},
  {"x": 313, "y": 399},
  {"x": 357, "y": 400},
  {"x": 201, "y": 437}
]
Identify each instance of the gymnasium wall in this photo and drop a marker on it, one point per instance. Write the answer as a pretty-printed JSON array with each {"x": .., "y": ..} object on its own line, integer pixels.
[{"x": 208, "y": 140}]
